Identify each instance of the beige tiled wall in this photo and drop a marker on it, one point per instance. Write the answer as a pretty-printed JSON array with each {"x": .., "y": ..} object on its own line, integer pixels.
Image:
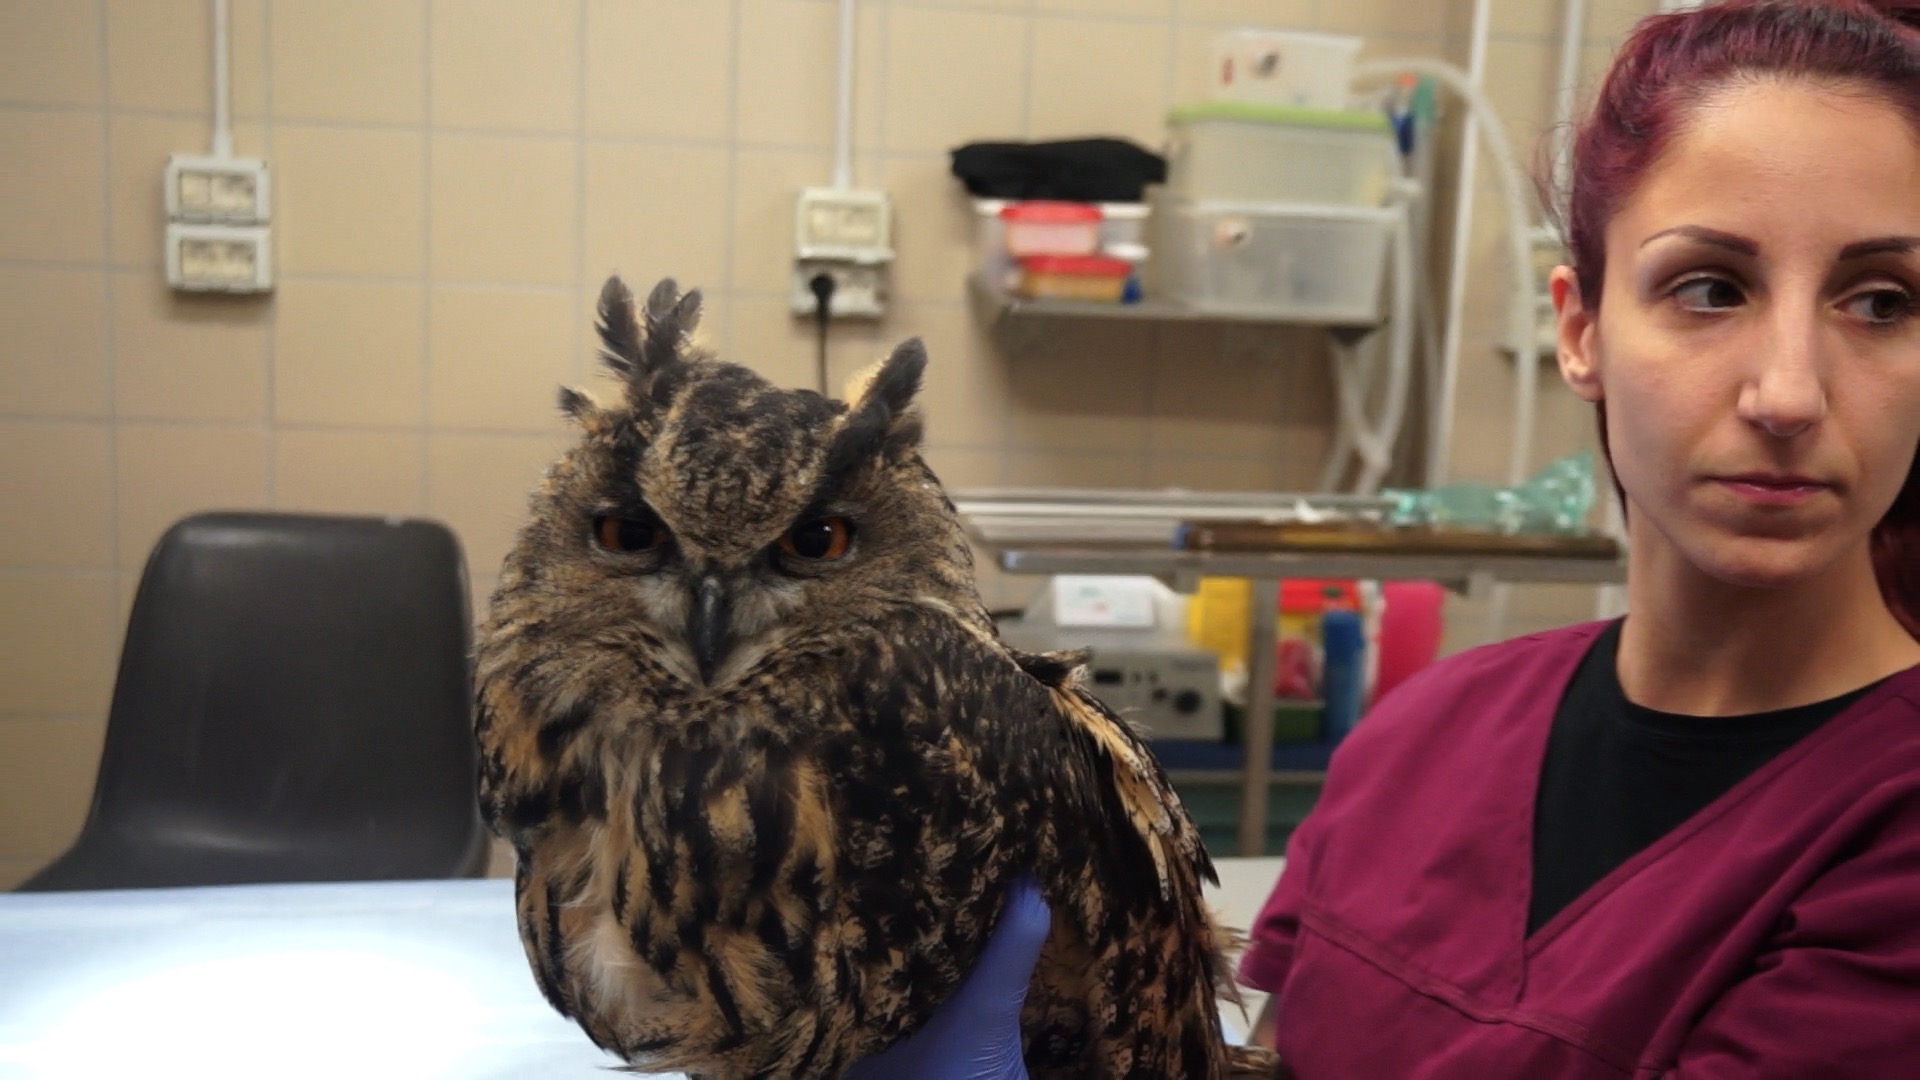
[
  {"x": 454, "y": 180},
  {"x": 1523, "y": 59}
]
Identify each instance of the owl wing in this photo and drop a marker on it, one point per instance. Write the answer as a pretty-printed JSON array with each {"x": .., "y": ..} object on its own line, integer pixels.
[
  {"x": 1152, "y": 808},
  {"x": 1133, "y": 984}
]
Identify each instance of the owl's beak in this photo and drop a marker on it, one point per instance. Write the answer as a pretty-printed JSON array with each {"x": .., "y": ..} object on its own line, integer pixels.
[{"x": 709, "y": 627}]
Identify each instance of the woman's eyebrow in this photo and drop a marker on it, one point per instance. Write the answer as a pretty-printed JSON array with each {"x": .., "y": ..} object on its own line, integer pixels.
[
  {"x": 1727, "y": 240},
  {"x": 1885, "y": 245},
  {"x": 1859, "y": 249}
]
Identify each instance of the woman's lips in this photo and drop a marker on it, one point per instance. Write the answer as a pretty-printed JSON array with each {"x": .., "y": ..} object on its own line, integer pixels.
[{"x": 1770, "y": 490}]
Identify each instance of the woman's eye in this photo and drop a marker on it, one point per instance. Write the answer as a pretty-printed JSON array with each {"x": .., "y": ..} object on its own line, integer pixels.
[
  {"x": 1708, "y": 294},
  {"x": 1881, "y": 307},
  {"x": 628, "y": 535},
  {"x": 820, "y": 540}
]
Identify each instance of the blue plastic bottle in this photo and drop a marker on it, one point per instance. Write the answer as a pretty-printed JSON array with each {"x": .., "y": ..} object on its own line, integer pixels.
[{"x": 1341, "y": 641}]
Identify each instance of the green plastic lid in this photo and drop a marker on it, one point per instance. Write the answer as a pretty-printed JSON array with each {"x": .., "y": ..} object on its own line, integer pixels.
[{"x": 1253, "y": 112}]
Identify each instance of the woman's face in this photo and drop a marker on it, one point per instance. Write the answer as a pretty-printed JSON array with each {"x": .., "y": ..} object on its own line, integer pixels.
[{"x": 1758, "y": 341}]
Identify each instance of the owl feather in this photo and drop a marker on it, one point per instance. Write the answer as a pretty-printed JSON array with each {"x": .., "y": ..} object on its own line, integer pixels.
[{"x": 769, "y": 771}]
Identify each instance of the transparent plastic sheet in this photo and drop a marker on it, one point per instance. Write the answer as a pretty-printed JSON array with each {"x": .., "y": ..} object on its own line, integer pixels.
[{"x": 1554, "y": 501}]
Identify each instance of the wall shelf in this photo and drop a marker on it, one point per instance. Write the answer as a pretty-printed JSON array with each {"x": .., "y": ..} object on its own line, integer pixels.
[{"x": 996, "y": 306}]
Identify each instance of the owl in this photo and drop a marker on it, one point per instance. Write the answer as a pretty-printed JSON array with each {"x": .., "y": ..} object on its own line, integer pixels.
[{"x": 770, "y": 772}]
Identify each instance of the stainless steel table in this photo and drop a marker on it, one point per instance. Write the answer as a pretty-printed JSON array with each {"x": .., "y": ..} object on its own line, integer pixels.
[
  {"x": 1182, "y": 570},
  {"x": 358, "y": 981}
]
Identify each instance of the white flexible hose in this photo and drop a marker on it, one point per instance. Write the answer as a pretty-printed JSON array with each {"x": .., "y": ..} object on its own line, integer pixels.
[
  {"x": 1335, "y": 465},
  {"x": 1399, "y": 357},
  {"x": 1520, "y": 321},
  {"x": 222, "y": 122},
  {"x": 1440, "y": 433},
  {"x": 1374, "y": 443},
  {"x": 1353, "y": 365},
  {"x": 1520, "y": 330},
  {"x": 843, "y": 114},
  {"x": 1572, "y": 27}
]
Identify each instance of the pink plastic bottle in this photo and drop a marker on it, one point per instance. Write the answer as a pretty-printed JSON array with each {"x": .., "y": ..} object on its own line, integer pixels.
[{"x": 1411, "y": 623}]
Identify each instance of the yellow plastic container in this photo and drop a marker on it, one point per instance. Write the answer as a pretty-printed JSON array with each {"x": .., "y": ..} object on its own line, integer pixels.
[
  {"x": 1219, "y": 619},
  {"x": 1074, "y": 277}
]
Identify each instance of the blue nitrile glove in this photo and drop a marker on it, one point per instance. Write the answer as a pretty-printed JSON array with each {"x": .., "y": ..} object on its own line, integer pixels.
[{"x": 975, "y": 1035}]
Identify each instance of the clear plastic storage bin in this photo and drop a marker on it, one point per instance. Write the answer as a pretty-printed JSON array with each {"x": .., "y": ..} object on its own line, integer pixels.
[
  {"x": 1311, "y": 263},
  {"x": 1267, "y": 153},
  {"x": 1123, "y": 229}
]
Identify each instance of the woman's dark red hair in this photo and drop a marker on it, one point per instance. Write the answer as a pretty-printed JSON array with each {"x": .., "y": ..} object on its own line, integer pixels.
[{"x": 1671, "y": 62}]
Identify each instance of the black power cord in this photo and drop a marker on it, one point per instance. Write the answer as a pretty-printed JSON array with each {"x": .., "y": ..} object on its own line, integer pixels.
[{"x": 822, "y": 285}]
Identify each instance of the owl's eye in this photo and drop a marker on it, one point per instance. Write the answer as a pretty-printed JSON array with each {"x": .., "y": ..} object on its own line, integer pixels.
[
  {"x": 819, "y": 540},
  {"x": 628, "y": 535}
]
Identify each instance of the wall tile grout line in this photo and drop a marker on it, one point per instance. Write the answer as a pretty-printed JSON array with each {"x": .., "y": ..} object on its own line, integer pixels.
[
  {"x": 426, "y": 259},
  {"x": 321, "y": 276},
  {"x": 877, "y": 93},
  {"x": 271, "y": 412},
  {"x": 1157, "y": 332},
  {"x": 1174, "y": 25},
  {"x": 96, "y": 263},
  {"x": 106, "y": 276},
  {"x": 1030, "y": 17},
  {"x": 531, "y": 432},
  {"x": 728, "y": 256},
  {"x": 577, "y": 363},
  {"x": 594, "y": 138},
  {"x": 303, "y": 427}
]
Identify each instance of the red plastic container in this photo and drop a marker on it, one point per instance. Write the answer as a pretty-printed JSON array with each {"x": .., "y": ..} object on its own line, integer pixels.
[{"x": 1051, "y": 228}]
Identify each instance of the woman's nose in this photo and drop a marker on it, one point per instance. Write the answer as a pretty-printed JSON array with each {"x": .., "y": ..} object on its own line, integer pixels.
[{"x": 1785, "y": 390}]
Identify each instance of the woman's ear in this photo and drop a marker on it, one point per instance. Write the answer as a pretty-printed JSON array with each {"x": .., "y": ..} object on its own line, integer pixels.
[{"x": 1578, "y": 334}]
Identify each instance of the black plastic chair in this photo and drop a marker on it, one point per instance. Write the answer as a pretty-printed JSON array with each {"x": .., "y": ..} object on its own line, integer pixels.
[{"x": 292, "y": 705}]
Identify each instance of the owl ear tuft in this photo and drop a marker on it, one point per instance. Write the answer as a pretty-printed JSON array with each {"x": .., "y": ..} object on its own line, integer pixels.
[
  {"x": 642, "y": 345},
  {"x": 619, "y": 330},
  {"x": 881, "y": 421},
  {"x": 576, "y": 404},
  {"x": 670, "y": 319},
  {"x": 892, "y": 383}
]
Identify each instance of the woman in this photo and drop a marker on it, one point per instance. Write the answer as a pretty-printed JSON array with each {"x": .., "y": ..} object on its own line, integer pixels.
[{"x": 1687, "y": 843}]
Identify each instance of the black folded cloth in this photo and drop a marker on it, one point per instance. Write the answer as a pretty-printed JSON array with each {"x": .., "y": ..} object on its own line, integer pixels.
[{"x": 1081, "y": 170}]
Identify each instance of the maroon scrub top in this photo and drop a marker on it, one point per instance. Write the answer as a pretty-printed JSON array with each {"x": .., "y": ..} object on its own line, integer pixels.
[{"x": 1774, "y": 933}]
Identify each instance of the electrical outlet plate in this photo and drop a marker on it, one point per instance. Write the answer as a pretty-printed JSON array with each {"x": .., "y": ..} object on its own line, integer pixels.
[
  {"x": 220, "y": 258},
  {"x": 859, "y": 289},
  {"x": 848, "y": 225},
  {"x": 214, "y": 189}
]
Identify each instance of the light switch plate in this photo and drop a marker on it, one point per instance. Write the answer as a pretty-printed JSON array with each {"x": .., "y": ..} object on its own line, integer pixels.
[
  {"x": 211, "y": 189},
  {"x": 854, "y": 226}
]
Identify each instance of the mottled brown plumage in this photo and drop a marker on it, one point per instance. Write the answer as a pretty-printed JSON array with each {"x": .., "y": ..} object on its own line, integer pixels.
[{"x": 768, "y": 790}]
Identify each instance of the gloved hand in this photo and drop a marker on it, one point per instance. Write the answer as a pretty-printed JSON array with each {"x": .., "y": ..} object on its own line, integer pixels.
[{"x": 975, "y": 1035}]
